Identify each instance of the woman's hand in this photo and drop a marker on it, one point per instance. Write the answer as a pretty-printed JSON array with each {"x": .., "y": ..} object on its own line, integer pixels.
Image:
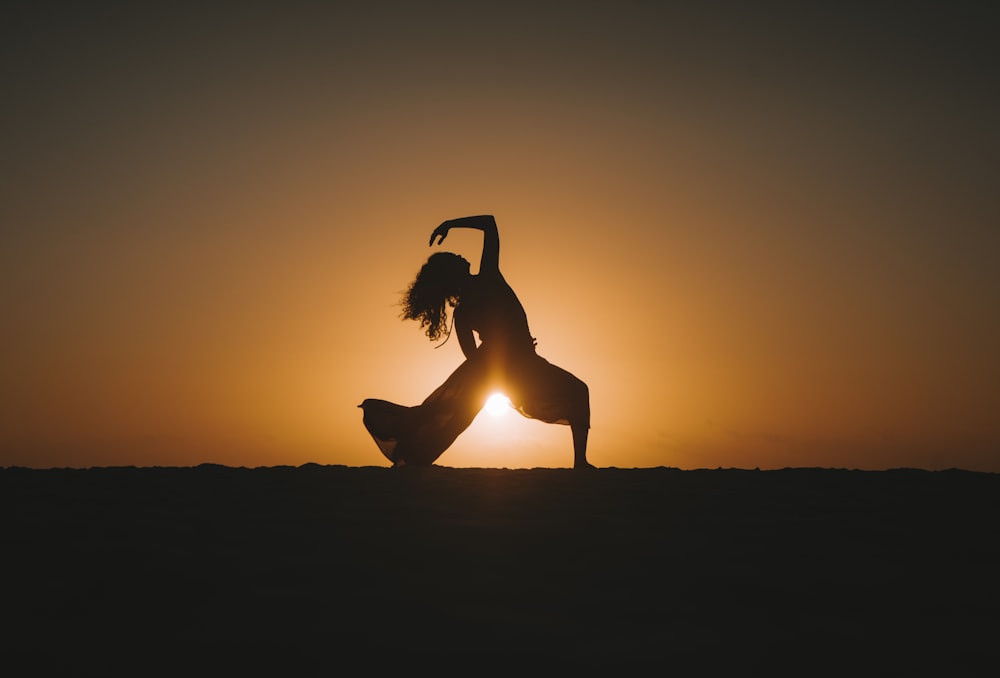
[
  {"x": 440, "y": 232},
  {"x": 490, "y": 262}
]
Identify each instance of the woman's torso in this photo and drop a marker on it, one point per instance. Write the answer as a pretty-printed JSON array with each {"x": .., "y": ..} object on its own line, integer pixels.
[{"x": 490, "y": 307}]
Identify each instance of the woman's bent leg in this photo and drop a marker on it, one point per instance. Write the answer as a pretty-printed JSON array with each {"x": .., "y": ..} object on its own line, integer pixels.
[{"x": 549, "y": 393}]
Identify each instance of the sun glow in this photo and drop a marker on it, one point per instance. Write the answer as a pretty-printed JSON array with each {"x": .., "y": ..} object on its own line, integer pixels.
[{"x": 497, "y": 405}]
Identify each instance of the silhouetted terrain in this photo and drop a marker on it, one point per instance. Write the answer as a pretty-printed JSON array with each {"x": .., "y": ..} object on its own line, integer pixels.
[{"x": 217, "y": 569}]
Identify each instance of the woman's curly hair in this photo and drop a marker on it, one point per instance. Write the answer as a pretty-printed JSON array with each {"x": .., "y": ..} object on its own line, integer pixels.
[{"x": 435, "y": 287}]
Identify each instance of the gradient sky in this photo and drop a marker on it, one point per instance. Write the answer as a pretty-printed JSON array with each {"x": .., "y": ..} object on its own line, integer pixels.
[{"x": 765, "y": 234}]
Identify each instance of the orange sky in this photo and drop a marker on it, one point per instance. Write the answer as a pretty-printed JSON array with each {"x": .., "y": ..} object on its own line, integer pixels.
[{"x": 763, "y": 239}]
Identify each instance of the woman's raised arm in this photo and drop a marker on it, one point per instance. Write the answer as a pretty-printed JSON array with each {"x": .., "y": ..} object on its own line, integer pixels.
[{"x": 490, "y": 261}]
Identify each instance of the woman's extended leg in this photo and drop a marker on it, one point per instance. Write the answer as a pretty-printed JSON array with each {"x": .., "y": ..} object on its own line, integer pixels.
[{"x": 418, "y": 435}]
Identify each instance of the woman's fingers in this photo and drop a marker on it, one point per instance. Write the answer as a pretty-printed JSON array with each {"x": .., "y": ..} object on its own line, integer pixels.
[{"x": 439, "y": 233}]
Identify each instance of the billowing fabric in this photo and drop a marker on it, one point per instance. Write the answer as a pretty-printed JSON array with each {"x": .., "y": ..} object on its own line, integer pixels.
[{"x": 418, "y": 435}]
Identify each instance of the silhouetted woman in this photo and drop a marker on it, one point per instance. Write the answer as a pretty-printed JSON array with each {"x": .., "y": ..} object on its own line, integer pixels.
[{"x": 504, "y": 359}]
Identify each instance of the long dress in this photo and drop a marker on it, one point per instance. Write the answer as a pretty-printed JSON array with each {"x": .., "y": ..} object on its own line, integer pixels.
[{"x": 504, "y": 361}]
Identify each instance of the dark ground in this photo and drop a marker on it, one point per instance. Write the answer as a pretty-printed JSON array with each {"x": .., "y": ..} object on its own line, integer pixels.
[{"x": 310, "y": 570}]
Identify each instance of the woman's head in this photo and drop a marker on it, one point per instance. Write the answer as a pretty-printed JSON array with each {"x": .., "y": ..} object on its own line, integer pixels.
[{"x": 438, "y": 284}]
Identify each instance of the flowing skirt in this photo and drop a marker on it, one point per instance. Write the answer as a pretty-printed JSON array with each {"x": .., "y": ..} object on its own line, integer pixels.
[{"x": 418, "y": 435}]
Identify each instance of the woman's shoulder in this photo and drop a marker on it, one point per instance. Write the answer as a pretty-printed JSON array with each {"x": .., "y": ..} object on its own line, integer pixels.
[
  {"x": 489, "y": 275},
  {"x": 486, "y": 282}
]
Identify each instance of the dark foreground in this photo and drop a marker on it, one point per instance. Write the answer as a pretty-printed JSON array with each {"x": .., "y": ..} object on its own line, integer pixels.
[{"x": 311, "y": 570}]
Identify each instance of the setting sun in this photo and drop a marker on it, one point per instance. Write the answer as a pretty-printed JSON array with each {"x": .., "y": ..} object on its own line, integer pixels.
[{"x": 497, "y": 405}]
